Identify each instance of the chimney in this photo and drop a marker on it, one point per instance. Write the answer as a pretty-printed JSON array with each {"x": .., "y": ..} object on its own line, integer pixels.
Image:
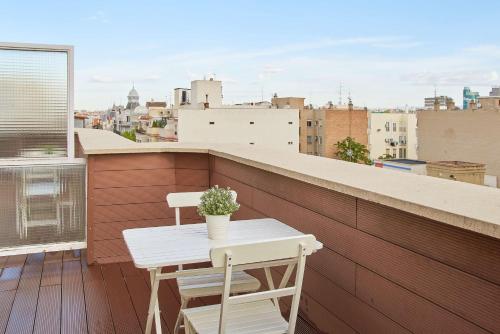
[
  {"x": 450, "y": 104},
  {"x": 206, "y": 105},
  {"x": 436, "y": 103},
  {"x": 472, "y": 105}
]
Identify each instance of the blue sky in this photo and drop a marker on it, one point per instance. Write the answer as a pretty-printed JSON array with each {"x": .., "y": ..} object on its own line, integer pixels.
[{"x": 385, "y": 53}]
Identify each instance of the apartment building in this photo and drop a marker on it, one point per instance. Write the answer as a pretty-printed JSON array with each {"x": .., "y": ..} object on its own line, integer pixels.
[
  {"x": 441, "y": 101},
  {"x": 392, "y": 134},
  {"x": 321, "y": 128},
  {"x": 471, "y": 135},
  {"x": 207, "y": 120}
]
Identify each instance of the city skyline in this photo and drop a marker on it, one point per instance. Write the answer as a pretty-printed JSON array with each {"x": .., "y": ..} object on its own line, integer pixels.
[{"x": 384, "y": 58}]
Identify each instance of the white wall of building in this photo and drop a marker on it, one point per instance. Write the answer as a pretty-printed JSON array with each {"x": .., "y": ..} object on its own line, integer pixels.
[
  {"x": 400, "y": 129},
  {"x": 271, "y": 128},
  {"x": 200, "y": 89}
]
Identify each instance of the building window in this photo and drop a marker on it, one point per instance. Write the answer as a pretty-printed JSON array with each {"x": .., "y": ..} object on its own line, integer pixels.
[
  {"x": 394, "y": 152},
  {"x": 309, "y": 139},
  {"x": 387, "y": 151},
  {"x": 290, "y": 143},
  {"x": 387, "y": 126},
  {"x": 309, "y": 123},
  {"x": 211, "y": 123},
  {"x": 320, "y": 140},
  {"x": 290, "y": 122},
  {"x": 394, "y": 127},
  {"x": 252, "y": 143},
  {"x": 252, "y": 122}
]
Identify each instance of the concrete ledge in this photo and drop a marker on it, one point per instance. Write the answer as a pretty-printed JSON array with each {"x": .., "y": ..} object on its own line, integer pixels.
[{"x": 467, "y": 206}]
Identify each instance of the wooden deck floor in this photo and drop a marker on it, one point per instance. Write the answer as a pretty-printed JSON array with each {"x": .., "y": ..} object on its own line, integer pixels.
[{"x": 58, "y": 293}]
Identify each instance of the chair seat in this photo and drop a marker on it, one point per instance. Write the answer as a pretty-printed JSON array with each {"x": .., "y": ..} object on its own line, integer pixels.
[
  {"x": 246, "y": 318},
  {"x": 212, "y": 284}
]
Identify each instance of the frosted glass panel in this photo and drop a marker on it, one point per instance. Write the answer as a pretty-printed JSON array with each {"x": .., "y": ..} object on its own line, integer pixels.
[
  {"x": 42, "y": 204},
  {"x": 33, "y": 104}
]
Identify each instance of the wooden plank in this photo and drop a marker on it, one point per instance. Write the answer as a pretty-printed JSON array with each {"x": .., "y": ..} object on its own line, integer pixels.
[
  {"x": 90, "y": 208},
  {"x": 99, "y": 318},
  {"x": 140, "y": 294},
  {"x": 106, "y": 231},
  {"x": 16, "y": 260},
  {"x": 22, "y": 315},
  {"x": 470, "y": 252},
  {"x": 3, "y": 262},
  {"x": 48, "y": 311},
  {"x": 122, "y": 310},
  {"x": 6, "y": 300},
  {"x": 73, "y": 316},
  {"x": 52, "y": 270},
  {"x": 108, "y": 162},
  {"x": 110, "y": 248},
  {"x": 131, "y": 195},
  {"x": 335, "y": 205},
  {"x": 245, "y": 192},
  {"x": 192, "y": 177},
  {"x": 169, "y": 305},
  {"x": 191, "y": 160},
  {"x": 9, "y": 279},
  {"x": 182, "y": 188},
  {"x": 410, "y": 310},
  {"x": 134, "y": 178},
  {"x": 115, "y": 213}
]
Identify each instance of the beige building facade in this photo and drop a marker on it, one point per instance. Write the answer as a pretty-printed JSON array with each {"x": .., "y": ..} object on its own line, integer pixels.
[
  {"x": 392, "y": 134},
  {"x": 321, "y": 128},
  {"x": 458, "y": 171},
  {"x": 470, "y": 135}
]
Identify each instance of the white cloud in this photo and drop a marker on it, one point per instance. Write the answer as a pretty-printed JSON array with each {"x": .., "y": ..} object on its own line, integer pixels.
[{"x": 99, "y": 16}]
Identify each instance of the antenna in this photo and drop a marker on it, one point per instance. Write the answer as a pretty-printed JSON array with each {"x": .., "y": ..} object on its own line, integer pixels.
[{"x": 340, "y": 94}]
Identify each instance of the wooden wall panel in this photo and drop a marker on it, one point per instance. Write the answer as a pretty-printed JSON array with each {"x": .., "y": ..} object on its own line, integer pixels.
[
  {"x": 471, "y": 252},
  {"x": 132, "y": 195},
  {"x": 129, "y": 190},
  {"x": 414, "y": 312},
  {"x": 117, "y": 213},
  {"x": 327, "y": 202},
  {"x": 135, "y": 161},
  {"x": 421, "y": 265},
  {"x": 134, "y": 178},
  {"x": 191, "y": 161}
]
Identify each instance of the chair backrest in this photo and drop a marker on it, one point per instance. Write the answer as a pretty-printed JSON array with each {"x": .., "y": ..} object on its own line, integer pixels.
[
  {"x": 185, "y": 200},
  {"x": 264, "y": 254}
]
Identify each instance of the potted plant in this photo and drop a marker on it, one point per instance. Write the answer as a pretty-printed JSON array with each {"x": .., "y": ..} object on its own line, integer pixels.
[{"x": 217, "y": 205}]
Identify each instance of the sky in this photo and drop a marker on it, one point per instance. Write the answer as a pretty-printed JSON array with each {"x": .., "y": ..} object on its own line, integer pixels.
[{"x": 383, "y": 53}]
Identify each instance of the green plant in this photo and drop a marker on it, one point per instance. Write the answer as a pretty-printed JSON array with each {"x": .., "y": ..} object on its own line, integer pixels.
[
  {"x": 159, "y": 123},
  {"x": 129, "y": 135},
  {"x": 352, "y": 151},
  {"x": 217, "y": 202},
  {"x": 386, "y": 156}
]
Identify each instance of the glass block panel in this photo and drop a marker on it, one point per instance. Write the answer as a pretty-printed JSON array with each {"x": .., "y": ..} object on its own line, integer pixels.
[
  {"x": 33, "y": 104},
  {"x": 42, "y": 204}
]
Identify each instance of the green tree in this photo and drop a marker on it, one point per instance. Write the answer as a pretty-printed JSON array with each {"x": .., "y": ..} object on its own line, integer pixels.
[
  {"x": 129, "y": 135},
  {"x": 352, "y": 151}
]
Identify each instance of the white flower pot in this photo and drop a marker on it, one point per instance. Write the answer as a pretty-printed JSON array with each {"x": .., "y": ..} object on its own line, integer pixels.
[{"x": 217, "y": 226}]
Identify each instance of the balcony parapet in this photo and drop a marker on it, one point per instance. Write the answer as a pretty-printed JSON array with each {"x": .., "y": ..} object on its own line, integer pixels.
[{"x": 471, "y": 207}]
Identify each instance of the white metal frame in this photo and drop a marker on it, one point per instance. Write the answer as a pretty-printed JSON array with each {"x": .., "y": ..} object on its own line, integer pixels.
[{"x": 69, "y": 50}]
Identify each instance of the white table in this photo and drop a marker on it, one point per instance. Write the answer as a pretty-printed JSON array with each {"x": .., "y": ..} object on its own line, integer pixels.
[{"x": 155, "y": 247}]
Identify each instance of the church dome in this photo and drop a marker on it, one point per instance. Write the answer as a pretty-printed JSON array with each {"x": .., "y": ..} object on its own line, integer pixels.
[{"x": 133, "y": 93}]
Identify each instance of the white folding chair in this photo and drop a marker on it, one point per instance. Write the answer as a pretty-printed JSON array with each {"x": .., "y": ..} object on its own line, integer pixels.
[
  {"x": 209, "y": 284},
  {"x": 256, "y": 312}
]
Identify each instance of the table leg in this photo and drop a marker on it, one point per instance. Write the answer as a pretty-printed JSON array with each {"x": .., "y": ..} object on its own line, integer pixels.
[{"x": 154, "y": 308}]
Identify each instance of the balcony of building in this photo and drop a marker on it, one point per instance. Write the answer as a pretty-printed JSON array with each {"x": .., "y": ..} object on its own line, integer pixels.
[{"x": 402, "y": 253}]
